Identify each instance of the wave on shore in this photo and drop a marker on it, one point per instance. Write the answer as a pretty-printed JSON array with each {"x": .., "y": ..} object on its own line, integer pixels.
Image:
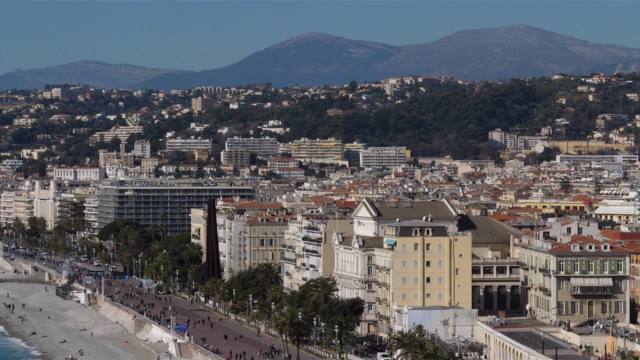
[{"x": 13, "y": 348}]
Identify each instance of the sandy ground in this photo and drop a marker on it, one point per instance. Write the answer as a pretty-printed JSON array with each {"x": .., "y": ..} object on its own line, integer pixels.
[{"x": 59, "y": 328}]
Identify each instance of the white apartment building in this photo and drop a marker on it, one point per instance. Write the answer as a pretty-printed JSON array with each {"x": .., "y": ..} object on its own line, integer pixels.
[
  {"x": 190, "y": 144},
  {"x": 142, "y": 148},
  {"x": 79, "y": 173},
  {"x": 7, "y": 198},
  {"x": 120, "y": 132},
  {"x": 303, "y": 248},
  {"x": 263, "y": 147},
  {"x": 379, "y": 157}
]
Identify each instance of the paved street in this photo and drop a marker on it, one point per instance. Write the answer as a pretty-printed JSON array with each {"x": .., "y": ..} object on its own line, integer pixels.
[{"x": 207, "y": 328}]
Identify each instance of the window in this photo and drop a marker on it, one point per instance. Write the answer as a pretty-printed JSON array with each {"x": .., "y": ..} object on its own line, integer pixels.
[
  {"x": 272, "y": 256},
  {"x": 501, "y": 270},
  {"x": 440, "y": 296},
  {"x": 579, "y": 230},
  {"x": 415, "y": 247},
  {"x": 605, "y": 267},
  {"x": 440, "y": 247},
  {"x": 427, "y": 247},
  {"x": 576, "y": 267},
  {"x": 404, "y": 247},
  {"x": 261, "y": 242},
  {"x": 561, "y": 266},
  {"x": 404, "y": 263},
  {"x": 415, "y": 280},
  {"x": 457, "y": 271},
  {"x": 415, "y": 263},
  {"x": 619, "y": 307},
  {"x": 487, "y": 270},
  {"x": 255, "y": 242},
  {"x": 591, "y": 267},
  {"x": 562, "y": 284},
  {"x": 604, "y": 307},
  {"x": 370, "y": 307},
  {"x": 514, "y": 270},
  {"x": 440, "y": 263},
  {"x": 428, "y": 296},
  {"x": 576, "y": 307},
  {"x": 270, "y": 242},
  {"x": 428, "y": 280},
  {"x": 440, "y": 280},
  {"x": 370, "y": 270},
  {"x": 476, "y": 270},
  {"x": 369, "y": 286},
  {"x": 369, "y": 259},
  {"x": 404, "y": 280},
  {"x": 620, "y": 266},
  {"x": 568, "y": 230},
  {"x": 427, "y": 263}
]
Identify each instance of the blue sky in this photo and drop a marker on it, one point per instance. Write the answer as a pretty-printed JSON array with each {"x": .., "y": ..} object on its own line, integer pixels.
[{"x": 199, "y": 35}]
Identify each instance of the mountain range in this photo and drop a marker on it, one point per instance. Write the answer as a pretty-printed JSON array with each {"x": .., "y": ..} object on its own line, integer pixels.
[{"x": 320, "y": 59}]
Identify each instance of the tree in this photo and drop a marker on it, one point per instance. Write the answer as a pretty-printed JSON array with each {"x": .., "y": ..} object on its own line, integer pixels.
[
  {"x": 269, "y": 274},
  {"x": 192, "y": 253},
  {"x": 565, "y": 185},
  {"x": 414, "y": 344}
]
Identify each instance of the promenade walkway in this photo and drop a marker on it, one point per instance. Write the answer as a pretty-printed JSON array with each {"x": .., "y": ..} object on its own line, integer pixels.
[{"x": 233, "y": 339}]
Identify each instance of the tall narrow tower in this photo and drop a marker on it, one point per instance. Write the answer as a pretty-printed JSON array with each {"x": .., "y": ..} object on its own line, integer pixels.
[{"x": 212, "y": 257}]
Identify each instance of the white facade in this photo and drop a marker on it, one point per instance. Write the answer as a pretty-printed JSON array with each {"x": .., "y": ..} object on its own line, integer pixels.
[
  {"x": 142, "y": 148},
  {"x": 378, "y": 157},
  {"x": 188, "y": 144},
  {"x": 264, "y": 147}
]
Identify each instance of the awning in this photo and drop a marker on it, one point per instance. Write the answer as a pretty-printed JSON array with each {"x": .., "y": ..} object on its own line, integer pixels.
[
  {"x": 606, "y": 281},
  {"x": 390, "y": 242},
  {"x": 577, "y": 281},
  {"x": 591, "y": 281}
]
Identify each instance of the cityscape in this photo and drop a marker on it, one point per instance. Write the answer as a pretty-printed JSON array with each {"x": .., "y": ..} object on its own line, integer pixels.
[{"x": 287, "y": 180}]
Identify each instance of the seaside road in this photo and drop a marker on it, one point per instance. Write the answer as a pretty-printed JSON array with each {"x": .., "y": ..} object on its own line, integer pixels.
[{"x": 203, "y": 323}]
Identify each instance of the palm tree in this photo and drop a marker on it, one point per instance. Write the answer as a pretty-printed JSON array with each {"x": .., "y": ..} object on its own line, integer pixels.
[
  {"x": 268, "y": 273},
  {"x": 192, "y": 253},
  {"x": 321, "y": 291}
]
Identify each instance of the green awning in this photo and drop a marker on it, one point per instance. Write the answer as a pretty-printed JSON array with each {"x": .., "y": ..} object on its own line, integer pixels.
[{"x": 390, "y": 242}]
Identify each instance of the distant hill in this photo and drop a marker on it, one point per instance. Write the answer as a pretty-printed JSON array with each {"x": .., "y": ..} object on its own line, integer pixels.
[
  {"x": 88, "y": 72},
  {"x": 319, "y": 59},
  {"x": 481, "y": 54}
]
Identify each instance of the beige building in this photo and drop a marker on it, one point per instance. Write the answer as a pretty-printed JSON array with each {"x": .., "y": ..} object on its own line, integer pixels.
[
  {"x": 583, "y": 279},
  {"x": 423, "y": 265}
]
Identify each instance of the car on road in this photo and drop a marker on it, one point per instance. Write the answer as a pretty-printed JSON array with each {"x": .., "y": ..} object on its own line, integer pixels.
[
  {"x": 383, "y": 356},
  {"x": 90, "y": 262}
]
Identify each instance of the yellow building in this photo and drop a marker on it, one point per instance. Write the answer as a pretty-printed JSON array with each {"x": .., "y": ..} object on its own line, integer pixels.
[
  {"x": 421, "y": 264},
  {"x": 582, "y": 146}
]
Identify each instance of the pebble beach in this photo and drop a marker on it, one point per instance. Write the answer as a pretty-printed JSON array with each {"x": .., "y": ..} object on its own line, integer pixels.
[{"x": 61, "y": 329}]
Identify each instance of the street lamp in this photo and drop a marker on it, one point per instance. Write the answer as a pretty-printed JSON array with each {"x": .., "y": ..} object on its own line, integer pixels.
[
  {"x": 161, "y": 272},
  {"x": 177, "y": 277},
  {"x": 249, "y": 308},
  {"x": 234, "y": 296},
  {"x": 145, "y": 266},
  {"x": 315, "y": 335},
  {"x": 337, "y": 332}
]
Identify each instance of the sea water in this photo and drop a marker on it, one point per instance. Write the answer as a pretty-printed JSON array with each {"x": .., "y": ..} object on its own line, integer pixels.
[{"x": 15, "y": 349}]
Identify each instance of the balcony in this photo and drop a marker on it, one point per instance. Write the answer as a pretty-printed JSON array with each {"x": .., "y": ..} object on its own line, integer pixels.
[
  {"x": 594, "y": 291},
  {"x": 544, "y": 290},
  {"x": 545, "y": 272}
]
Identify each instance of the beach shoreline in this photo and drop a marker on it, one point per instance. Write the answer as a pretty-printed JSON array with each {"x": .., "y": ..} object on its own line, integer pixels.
[{"x": 58, "y": 328}]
